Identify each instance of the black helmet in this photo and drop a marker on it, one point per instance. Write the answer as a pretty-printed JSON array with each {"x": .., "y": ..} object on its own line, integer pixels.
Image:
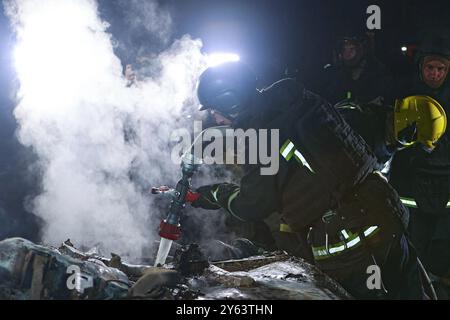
[
  {"x": 435, "y": 42},
  {"x": 361, "y": 37},
  {"x": 226, "y": 88}
]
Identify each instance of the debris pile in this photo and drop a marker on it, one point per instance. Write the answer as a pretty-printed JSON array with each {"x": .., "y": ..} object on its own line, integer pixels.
[{"x": 31, "y": 271}]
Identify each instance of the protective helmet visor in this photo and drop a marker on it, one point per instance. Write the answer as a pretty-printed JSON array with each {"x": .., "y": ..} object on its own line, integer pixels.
[{"x": 226, "y": 103}]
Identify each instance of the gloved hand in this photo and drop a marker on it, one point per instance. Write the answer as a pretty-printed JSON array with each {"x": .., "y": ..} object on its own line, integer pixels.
[
  {"x": 206, "y": 199},
  {"x": 426, "y": 149},
  {"x": 408, "y": 135}
]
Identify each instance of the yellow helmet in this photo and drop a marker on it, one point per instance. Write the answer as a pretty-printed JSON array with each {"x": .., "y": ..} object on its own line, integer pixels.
[{"x": 428, "y": 116}]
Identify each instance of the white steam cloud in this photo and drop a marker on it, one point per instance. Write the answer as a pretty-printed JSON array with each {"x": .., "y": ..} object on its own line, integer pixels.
[
  {"x": 100, "y": 143},
  {"x": 148, "y": 16}
]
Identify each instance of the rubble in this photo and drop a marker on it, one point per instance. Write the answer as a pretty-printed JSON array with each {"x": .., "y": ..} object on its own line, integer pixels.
[
  {"x": 155, "y": 284},
  {"x": 190, "y": 261},
  {"x": 31, "y": 271},
  {"x": 275, "y": 277}
]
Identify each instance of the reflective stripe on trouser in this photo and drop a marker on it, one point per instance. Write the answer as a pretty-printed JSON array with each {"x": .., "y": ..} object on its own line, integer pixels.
[
  {"x": 411, "y": 203},
  {"x": 351, "y": 240}
]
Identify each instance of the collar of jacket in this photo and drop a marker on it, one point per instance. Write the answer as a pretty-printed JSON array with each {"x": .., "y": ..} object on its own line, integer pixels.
[{"x": 269, "y": 102}]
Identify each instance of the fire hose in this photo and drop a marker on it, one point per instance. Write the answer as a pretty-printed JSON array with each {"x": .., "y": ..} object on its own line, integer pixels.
[{"x": 170, "y": 228}]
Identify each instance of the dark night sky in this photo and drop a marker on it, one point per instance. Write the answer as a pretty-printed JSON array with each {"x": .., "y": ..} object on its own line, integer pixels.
[
  {"x": 271, "y": 35},
  {"x": 268, "y": 34},
  {"x": 301, "y": 33}
]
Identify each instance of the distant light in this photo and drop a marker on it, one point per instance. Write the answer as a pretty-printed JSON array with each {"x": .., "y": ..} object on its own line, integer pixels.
[
  {"x": 218, "y": 58},
  {"x": 404, "y": 49}
]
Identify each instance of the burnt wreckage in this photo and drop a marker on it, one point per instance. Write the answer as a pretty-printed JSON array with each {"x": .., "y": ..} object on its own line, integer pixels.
[{"x": 31, "y": 271}]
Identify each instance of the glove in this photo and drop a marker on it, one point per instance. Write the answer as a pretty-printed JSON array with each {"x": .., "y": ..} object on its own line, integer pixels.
[
  {"x": 408, "y": 135},
  {"x": 215, "y": 196},
  {"x": 404, "y": 138},
  {"x": 207, "y": 200}
]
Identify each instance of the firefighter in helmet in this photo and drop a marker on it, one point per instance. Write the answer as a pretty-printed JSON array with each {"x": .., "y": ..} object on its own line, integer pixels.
[
  {"x": 355, "y": 73},
  {"x": 327, "y": 188},
  {"x": 422, "y": 178}
]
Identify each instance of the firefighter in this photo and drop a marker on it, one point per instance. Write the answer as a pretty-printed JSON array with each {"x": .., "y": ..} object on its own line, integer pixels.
[
  {"x": 326, "y": 187},
  {"x": 388, "y": 129},
  {"x": 355, "y": 73},
  {"x": 422, "y": 178}
]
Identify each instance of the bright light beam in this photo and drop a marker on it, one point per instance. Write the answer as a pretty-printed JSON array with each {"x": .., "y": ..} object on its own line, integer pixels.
[{"x": 216, "y": 59}]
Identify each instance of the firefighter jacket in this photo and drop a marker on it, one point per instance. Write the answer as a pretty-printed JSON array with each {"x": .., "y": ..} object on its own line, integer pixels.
[{"x": 325, "y": 182}]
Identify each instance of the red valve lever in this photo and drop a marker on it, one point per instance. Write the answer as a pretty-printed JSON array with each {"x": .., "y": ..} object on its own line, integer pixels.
[{"x": 192, "y": 196}]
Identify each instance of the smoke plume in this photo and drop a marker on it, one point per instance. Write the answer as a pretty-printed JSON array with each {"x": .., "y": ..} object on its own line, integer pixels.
[{"x": 100, "y": 143}]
